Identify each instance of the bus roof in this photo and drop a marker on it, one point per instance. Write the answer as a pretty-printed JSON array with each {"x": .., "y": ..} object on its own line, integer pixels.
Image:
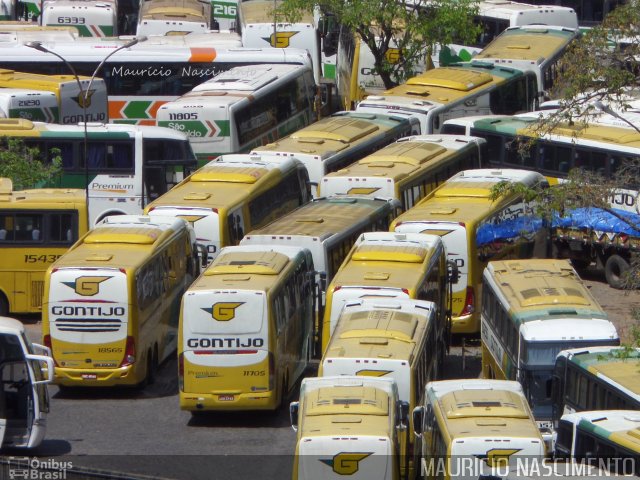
[
  {"x": 505, "y": 9},
  {"x": 221, "y": 184},
  {"x": 619, "y": 426},
  {"x": 243, "y": 80},
  {"x": 247, "y": 267},
  {"x": 332, "y": 134},
  {"x": 20, "y": 127},
  {"x": 619, "y": 366},
  {"x": 443, "y": 85},
  {"x": 386, "y": 329},
  {"x": 361, "y": 406},
  {"x": 120, "y": 241},
  {"x": 540, "y": 289},
  {"x": 324, "y": 217},
  {"x": 35, "y": 81},
  {"x": 494, "y": 404},
  {"x": 591, "y": 134},
  {"x": 533, "y": 42},
  {"x": 465, "y": 197},
  {"x": 174, "y": 11},
  {"x": 388, "y": 260},
  {"x": 44, "y": 197},
  {"x": 261, "y": 11},
  {"x": 402, "y": 158}
]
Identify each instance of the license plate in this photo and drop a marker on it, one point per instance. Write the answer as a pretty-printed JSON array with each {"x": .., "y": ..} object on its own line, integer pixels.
[
  {"x": 226, "y": 398},
  {"x": 89, "y": 376}
]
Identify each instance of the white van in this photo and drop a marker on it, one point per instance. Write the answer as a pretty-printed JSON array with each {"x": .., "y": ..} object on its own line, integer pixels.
[{"x": 24, "y": 400}]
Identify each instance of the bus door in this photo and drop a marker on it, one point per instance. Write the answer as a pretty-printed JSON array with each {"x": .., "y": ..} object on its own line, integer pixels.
[{"x": 23, "y": 394}]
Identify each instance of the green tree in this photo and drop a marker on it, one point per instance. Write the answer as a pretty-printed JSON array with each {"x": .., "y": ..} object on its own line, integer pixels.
[
  {"x": 24, "y": 166},
  {"x": 401, "y": 35}
]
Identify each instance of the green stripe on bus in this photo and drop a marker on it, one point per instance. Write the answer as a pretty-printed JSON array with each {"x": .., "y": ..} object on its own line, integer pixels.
[{"x": 137, "y": 109}]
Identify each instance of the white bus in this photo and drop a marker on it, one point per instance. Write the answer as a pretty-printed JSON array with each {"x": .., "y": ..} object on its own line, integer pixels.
[
  {"x": 128, "y": 166},
  {"x": 243, "y": 108},
  {"x": 173, "y": 17},
  {"x": 29, "y": 104},
  {"x": 260, "y": 29},
  {"x": 143, "y": 77},
  {"x": 24, "y": 400},
  {"x": 495, "y": 16},
  {"x": 92, "y": 18}
]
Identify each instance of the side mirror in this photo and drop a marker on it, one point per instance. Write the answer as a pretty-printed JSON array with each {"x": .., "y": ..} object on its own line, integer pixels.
[
  {"x": 202, "y": 252},
  {"x": 418, "y": 420},
  {"x": 293, "y": 415},
  {"x": 50, "y": 366},
  {"x": 453, "y": 274},
  {"x": 403, "y": 414}
]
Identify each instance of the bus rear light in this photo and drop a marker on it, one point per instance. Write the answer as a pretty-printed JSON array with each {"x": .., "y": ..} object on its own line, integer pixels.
[
  {"x": 129, "y": 353},
  {"x": 47, "y": 343},
  {"x": 405, "y": 291},
  {"x": 469, "y": 303}
]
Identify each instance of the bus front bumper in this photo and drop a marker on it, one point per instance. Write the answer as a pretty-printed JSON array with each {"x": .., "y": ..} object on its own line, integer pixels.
[
  {"x": 104, "y": 377},
  {"x": 202, "y": 402}
]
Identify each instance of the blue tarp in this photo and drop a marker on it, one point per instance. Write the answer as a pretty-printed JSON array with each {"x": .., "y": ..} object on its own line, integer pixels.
[
  {"x": 507, "y": 230},
  {"x": 600, "y": 220}
]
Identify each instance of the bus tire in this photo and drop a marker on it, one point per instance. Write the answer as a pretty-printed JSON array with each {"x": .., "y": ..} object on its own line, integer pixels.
[
  {"x": 4, "y": 306},
  {"x": 615, "y": 270}
]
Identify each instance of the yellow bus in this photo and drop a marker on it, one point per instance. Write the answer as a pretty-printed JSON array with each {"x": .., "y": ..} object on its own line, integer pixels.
[
  {"x": 348, "y": 427},
  {"x": 532, "y": 310},
  {"x": 406, "y": 170},
  {"x": 111, "y": 303},
  {"x": 339, "y": 140},
  {"x": 36, "y": 227},
  {"x": 476, "y": 229},
  {"x": 607, "y": 439},
  {"x": 71, "y": 106},
  {"x": 246, "y": 329},
  {"x": 230, "y": 197},
  {"x": 472, "y": 429},
  {"x": 384, "y": 265},
  {"x": 389, "y": 338},
  {"x": 328, "y": 227}
]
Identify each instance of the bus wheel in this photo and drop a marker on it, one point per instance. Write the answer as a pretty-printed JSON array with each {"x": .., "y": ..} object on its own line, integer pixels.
[
  {"x": 4, "y": 306},
  {"x": 615, "y": 271}
]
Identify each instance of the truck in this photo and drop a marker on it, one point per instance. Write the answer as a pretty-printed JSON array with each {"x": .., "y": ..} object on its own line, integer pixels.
[{"x": 609, "y": 237}]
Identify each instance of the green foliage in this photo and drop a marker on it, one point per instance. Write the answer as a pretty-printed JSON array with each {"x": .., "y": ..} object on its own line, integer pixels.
[
  {"x": 23, "y": 165},
  {"x": 602, "y": 66},
  {"x": 414, "y": 28}
]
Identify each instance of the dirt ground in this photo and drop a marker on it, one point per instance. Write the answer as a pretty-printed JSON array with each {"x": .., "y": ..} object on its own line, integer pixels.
[{"x": 619, "y": 304}]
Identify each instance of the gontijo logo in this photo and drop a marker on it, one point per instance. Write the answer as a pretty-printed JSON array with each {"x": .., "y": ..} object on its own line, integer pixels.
[
  {"x": 84, "y": 98},
  {"x": 280, "y": 39},
  {"x": 223, "y": 311},
  {"x": 86, "y": 286},
  {"x": 372, "y": 373},
  {"x": 346, "y": 463},
  {"x": 498, "y": 457}
]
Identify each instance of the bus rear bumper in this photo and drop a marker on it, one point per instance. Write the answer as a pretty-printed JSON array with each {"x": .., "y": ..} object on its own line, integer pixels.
[
  {"x": 467, "y": 324},
  {"x": 108, "y": 377},
  {"x": 202, "y": 402}
]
